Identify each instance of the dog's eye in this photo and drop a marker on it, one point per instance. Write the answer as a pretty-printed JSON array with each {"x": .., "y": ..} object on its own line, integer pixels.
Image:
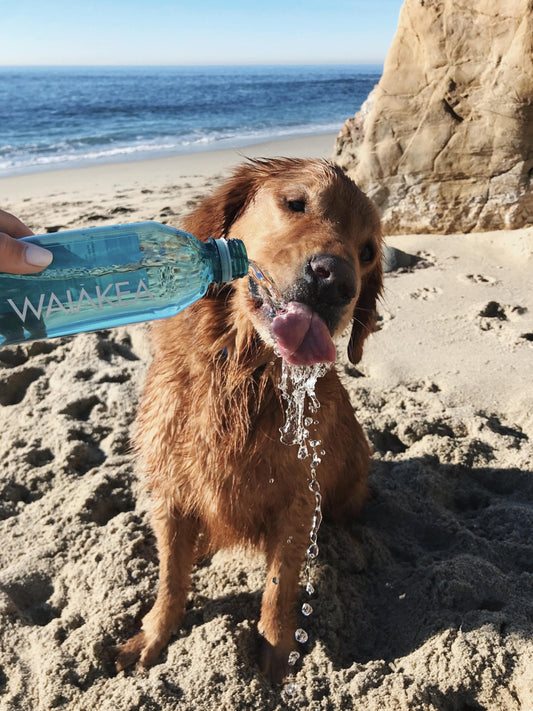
[
  {"x": 296, "y": 205},
  {"x": 368, "y": 253}
]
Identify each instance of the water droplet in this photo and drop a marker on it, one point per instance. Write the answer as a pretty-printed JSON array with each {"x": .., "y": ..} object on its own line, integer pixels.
[
  {"x": 287, "y": 437},
  {"x": 316, "y": 404},
  {"x": 289, "y": 539},
  {"x": 312, "y": 551},
  {"x": 262, "y": 633},
  {"x": 309, "y": 421},
  {"x": 275, "y": 580},
  {"x": 293, "y": 658},
  {"x": 301, "y": 636},
  {"x": 290, "y": 689},
  {"x": 266, "y": 285},
  {"x": 303, "y": 452},
  {"x": 309, "y": 589},
  {"x": 307, "y": 609},
  {"x": 271, "y": 481}
]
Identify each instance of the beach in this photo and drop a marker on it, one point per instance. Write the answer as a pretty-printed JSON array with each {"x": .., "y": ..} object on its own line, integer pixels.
[{"x": 423, "y": 603}]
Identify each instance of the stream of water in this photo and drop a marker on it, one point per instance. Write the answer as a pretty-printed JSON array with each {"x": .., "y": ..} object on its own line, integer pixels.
[{"x": 297, "y": 386}]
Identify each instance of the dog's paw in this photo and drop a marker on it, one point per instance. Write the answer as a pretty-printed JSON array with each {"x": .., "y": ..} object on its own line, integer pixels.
[
  {"x": 274, "y": 662},
  {"x": 139, "y": 650}
]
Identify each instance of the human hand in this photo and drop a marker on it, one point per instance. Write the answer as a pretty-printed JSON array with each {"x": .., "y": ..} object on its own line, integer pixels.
[{"x": 19, "y": 257}]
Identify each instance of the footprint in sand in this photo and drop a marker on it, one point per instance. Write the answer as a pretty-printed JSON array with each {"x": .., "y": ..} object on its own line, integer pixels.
[
  {"x": 479, "y": 279},
  {"x": 426, "y": 293},
  {"x": 96, "y": 217},
  {"x": 84, "y": 454},
  {"x": 11, "y": 357},
  {"x": 109, "y": 499},
  {"x": 31, "y": 481},
  {"x": 121, "y": 210},
  {"x": 39, "y": 456},
  {"x": 502, "y": 312},
  {"x": 29, "y": 595},
  {"x": 13, "y": 389},
  {"x": 81, "y": 408},
  {"x": 493, "y": 310},
  {"x": 500, "y": 317},
  {"x": 167, "y": 212}
]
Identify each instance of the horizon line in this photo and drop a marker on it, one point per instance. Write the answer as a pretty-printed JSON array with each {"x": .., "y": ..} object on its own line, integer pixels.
[{"x": 206, "y": 64}]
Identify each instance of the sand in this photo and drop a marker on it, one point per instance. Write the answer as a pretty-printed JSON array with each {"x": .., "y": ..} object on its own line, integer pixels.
[{"x": 424, "y": 603}]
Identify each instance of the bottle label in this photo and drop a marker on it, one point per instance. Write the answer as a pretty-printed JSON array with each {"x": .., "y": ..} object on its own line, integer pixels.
[{"x": 112, "y": 295}]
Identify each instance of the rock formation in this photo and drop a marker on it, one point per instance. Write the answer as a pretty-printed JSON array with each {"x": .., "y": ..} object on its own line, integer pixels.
[{"x": 444, "y": 143}]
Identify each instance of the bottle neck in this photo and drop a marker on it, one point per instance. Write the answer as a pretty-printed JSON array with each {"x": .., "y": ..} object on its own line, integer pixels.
[
  {"x": 232, "y": 262},
  {"x": 226, "y": 272}
]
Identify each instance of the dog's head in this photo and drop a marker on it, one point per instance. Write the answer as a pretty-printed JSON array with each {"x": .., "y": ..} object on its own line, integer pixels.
[{"x": 318, "y": 236}]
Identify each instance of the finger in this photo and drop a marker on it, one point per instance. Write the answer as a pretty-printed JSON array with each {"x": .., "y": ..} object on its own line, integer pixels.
[
  {"x": 22, "y": 257},
  {"x": 13, "y": 226}
]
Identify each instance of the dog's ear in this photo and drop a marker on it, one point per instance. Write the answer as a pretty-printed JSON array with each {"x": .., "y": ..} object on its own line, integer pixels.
[
  {"x": 215, "y": 215},
  {"x": 364, "y": 316}
]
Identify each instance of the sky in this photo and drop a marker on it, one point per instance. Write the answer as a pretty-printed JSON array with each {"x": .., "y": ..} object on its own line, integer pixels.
[{"x": 162, "y": 32}]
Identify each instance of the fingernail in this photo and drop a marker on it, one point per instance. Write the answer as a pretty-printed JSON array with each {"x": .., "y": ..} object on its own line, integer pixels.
[{"x": 37, "y": 256}]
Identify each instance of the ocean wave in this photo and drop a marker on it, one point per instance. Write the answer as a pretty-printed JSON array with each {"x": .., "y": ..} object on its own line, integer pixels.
[{"x": 66, "y": 153}]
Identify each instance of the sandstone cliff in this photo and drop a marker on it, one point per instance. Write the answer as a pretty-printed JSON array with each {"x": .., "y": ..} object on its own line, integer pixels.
[{"x": 445, "y": 141}]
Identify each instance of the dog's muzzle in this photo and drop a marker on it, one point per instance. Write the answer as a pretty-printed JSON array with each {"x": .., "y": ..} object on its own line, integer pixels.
[
  {"x": 328, "y": 284},
  {"x": 302, "y": 327}
]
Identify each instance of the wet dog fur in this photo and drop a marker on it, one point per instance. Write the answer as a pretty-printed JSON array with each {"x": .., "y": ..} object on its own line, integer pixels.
[{"x": 208, "y": 425}]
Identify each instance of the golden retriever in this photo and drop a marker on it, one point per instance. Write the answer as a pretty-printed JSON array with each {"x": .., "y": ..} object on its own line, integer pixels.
[{"x": 208, "y": 425}]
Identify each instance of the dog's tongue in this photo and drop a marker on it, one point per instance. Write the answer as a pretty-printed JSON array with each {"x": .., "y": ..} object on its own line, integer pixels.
[{"x": 302, "y": 337}]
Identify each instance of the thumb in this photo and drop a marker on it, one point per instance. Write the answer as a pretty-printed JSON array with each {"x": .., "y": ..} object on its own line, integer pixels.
[{"x": 22, "y": 257}]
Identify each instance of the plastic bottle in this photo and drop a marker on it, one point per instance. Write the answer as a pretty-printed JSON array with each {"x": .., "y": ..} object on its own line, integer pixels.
[{"x": 111, "y": 276}]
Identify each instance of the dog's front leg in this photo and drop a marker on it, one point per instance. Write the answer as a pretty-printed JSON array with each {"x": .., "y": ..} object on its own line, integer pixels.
[
  {"x": 176, "y": 538},
  {"x": 278, "y": 609}
]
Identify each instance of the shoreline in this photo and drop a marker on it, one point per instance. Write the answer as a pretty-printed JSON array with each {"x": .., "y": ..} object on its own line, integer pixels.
[
  {"x": 157, "y": 171},
  {"x": 236, "y": 143}
]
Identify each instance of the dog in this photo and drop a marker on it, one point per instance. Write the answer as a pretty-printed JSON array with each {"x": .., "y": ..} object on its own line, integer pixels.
[{"x": 208, "y": 424}]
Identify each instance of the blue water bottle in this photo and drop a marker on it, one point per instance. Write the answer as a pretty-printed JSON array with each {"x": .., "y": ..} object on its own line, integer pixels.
[{"x": 111, "y": 276}]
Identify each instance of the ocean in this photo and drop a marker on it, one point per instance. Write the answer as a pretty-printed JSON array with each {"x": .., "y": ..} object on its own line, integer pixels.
[{"x": 56, "y": 117}]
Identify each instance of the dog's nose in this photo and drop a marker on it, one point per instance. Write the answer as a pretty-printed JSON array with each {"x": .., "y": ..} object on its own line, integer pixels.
[{"x": 332, "y": 278}]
